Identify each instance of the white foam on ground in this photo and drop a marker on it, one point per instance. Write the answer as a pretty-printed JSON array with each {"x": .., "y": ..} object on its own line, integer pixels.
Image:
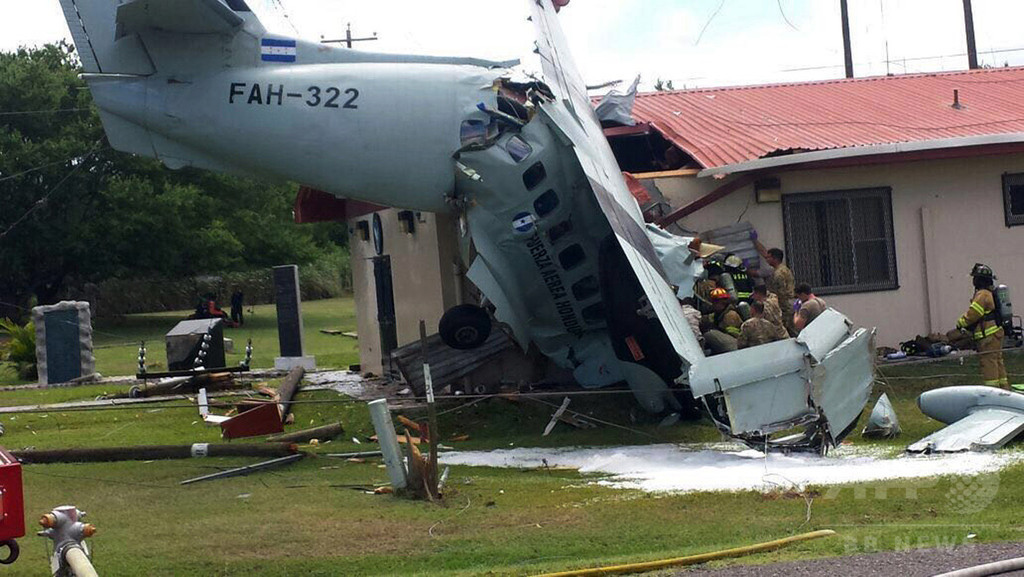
[
  {"x": 672, "y": 468},
  {"x": 344, "y": 382}
]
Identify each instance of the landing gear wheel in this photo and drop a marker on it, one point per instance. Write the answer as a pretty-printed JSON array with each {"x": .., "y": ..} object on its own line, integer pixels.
[
  {"x": 14, "y": 550},
  {"x": 465, "y": 327}
]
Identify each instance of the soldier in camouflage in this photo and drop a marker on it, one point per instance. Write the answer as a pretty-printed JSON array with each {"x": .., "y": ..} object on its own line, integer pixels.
[
  {"x": 772, "y": 310},
  {"x": 756, "y": 330}
]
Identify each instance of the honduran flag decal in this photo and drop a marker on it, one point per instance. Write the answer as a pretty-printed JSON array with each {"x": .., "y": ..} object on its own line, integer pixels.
[{"x": 277, "y": 50}]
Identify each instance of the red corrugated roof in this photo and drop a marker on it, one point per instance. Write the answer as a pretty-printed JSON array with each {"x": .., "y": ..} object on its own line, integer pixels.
[{"x": 721, "y": 126}]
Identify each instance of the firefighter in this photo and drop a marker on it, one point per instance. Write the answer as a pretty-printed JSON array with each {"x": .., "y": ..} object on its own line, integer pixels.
[
  {"x": 722, "y": 326},
  {"x": 981, "y": 320},
  {"x": 740, "y": 278}
]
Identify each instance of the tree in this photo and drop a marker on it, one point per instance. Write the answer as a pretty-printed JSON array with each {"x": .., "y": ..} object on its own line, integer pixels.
[
  {"x": 74, "y": 209},
  {"x": 663, "y": 85}
]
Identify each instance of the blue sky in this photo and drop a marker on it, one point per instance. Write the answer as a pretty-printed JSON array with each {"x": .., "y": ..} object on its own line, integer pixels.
[{"x": 747, "y": 42}]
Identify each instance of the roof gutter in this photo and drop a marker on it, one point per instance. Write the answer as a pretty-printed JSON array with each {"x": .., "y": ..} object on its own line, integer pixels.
[{"x": 825, "y": 156}]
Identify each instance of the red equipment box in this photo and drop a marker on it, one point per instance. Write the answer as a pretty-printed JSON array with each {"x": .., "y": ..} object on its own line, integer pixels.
[{"x": 12, "y": 502}]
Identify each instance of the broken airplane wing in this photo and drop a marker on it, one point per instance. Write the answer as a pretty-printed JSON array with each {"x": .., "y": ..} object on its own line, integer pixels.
[{"x": 978, "y": 417}]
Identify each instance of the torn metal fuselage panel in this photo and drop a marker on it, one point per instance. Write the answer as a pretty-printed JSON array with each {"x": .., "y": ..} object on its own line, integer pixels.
[{"x": 818, "y": 382}]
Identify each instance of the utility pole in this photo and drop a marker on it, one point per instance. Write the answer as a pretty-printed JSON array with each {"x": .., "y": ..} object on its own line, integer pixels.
[
  {"x": 847, "y": 50},
  {"x": 348, "y": 40},
  {"x": 972, "y": 50}
]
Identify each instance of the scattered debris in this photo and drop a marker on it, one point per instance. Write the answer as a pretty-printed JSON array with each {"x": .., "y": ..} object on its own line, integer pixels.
[
  {"x": 288, "y": 389},
  {"x": 883, "y": 423},
  {"x": 557, "y": 415},
  {"x": 248, "y": 469},
  {"x": 262, "y": 419},
  {"x": 978, "y": 418},
  {"x": 356, "y": 455},
  {"x": 322, "y": 433},
  {"x": 153, "y": 452}
]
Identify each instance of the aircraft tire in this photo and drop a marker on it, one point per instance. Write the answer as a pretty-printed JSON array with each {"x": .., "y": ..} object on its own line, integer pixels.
[
  {"x": 12, "y": 551},
  {"x": 465, "y": 327}
]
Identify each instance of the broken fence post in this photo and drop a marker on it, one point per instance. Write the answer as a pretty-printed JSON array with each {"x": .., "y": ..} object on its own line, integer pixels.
[
  {"x": 388, "y": 440},
  {"x": 288, "y": 389}
]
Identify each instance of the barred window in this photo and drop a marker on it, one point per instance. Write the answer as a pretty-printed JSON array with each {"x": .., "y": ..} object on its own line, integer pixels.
[
  {"x": 1013, "y": 198},
  {"x": 841, "y": 241}
]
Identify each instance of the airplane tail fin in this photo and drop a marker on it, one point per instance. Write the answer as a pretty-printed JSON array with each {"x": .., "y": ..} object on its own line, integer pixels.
[{"x": 107, "y": 32}]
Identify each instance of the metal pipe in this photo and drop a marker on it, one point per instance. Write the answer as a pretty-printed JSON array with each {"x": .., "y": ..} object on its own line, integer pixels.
[
  {"x": 388, "y": 440},
  {"x": 79, "y": 562},
  {"x": 995, "y": 568}
]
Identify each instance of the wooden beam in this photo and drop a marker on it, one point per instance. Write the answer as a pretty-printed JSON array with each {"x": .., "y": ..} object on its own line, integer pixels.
[
  {"x": 679, "y": 172},
  {"x": 713, "y": 196}
]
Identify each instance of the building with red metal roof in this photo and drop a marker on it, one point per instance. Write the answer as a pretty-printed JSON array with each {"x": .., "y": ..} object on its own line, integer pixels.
[
  {"x": 883, "y": 192},
  {"x": 719, "y": 127}
]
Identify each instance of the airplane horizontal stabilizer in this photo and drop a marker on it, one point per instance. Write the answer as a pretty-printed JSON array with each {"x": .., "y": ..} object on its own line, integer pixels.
[{"x": 984, "y": 429}]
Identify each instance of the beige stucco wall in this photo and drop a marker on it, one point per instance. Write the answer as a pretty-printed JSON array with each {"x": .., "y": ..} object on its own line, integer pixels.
[
  {"x": 947, "y": 215},
  {"x": 422, "y": 266}
]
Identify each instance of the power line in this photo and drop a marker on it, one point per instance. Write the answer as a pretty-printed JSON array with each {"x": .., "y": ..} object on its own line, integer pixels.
[
  {"x": 42, "y": 201},
  {"x": 42, "y": 166},
  {"x": 27, "y": 112},
  {"x": 708, "y": 23}
]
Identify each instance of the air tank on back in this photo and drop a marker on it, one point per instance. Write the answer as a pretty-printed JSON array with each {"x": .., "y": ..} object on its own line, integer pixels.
[{"x": 1005, "y": 311}]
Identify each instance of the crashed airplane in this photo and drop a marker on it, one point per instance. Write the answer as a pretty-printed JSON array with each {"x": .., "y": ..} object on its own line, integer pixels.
[
  {"x": 978, "y": 418},
  {"x": 559, "y": 246}
]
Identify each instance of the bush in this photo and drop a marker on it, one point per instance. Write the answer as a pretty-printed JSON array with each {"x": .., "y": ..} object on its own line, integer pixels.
[{"x": 20, "y": 347}]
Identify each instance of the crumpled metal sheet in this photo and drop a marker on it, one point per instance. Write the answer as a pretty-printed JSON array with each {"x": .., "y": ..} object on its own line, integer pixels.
[
  {"x": 883, "y": 423},
  {"x": 618, "y": 107}
]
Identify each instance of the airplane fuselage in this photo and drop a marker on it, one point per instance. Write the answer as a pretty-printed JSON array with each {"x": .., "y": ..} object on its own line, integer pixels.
[{"x": 378, "y": 132}]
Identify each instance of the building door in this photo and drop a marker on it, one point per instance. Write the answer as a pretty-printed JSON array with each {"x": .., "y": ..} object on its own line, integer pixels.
[{"x": 385, "y": 309}]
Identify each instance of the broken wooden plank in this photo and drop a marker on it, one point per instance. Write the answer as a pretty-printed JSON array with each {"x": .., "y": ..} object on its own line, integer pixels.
[
  {"x": 246, "y": 470},
  {"x": 322, "y": 433},
  {"x": 153, "y": 452}
]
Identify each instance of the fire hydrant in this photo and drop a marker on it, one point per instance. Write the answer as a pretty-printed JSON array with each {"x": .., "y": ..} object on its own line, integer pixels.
[{"x": 70, "y": 553}]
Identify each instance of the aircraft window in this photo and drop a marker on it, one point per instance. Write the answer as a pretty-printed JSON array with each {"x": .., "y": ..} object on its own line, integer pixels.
[
  {"x": 473, "y": 132},
  {"x": 518, "y": 149},
  {"x": 594, "y": 313},
  {"x": 586, "y": 288},
  {"x": 559, "y": 230},
  {"x": 571, "y": 257},
  {"x": 238, "y": 6},
  {"x": 546, "y": 203},
  {"x": 534, "y": 176}
]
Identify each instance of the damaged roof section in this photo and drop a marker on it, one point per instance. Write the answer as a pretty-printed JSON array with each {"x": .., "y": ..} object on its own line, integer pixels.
[{"x": 724, "y": 126}]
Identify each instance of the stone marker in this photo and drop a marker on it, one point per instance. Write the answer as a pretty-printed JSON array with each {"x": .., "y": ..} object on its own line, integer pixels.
[
  {"x": 289, "y": 320},
  {"x": 185, "y": 339},
  {"x": 63, "y": 341}
]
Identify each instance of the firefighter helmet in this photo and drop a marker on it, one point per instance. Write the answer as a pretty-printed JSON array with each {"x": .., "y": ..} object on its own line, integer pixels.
[
  {"x": 982, "y": 270},
  {"x": 733, "y": 261},
  {"x": 719, "y": 294}
]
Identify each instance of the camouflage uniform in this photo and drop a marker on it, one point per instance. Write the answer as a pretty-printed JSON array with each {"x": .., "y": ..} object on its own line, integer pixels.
[
  {"x": 773, "y": 314},
  {"x": 988, "y": 335},
  {"x": 811, "y": 309},
  {"x": 782, "y": 284},
  {"x": 756, "y": 331}
]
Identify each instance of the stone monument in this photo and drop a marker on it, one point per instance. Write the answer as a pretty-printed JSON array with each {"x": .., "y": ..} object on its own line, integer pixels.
[
  {"x": 63, "y": 341},
  {"x": 289, "y": 320}
]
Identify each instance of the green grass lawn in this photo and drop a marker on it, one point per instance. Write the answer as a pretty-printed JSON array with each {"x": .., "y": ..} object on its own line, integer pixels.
[
  {"x": 116, "y": 341},
  {"x": 307, "y": 519}
]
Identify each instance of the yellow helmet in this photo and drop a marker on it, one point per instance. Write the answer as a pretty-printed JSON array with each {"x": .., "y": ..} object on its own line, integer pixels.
[{"x": 719, "y": 294}]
